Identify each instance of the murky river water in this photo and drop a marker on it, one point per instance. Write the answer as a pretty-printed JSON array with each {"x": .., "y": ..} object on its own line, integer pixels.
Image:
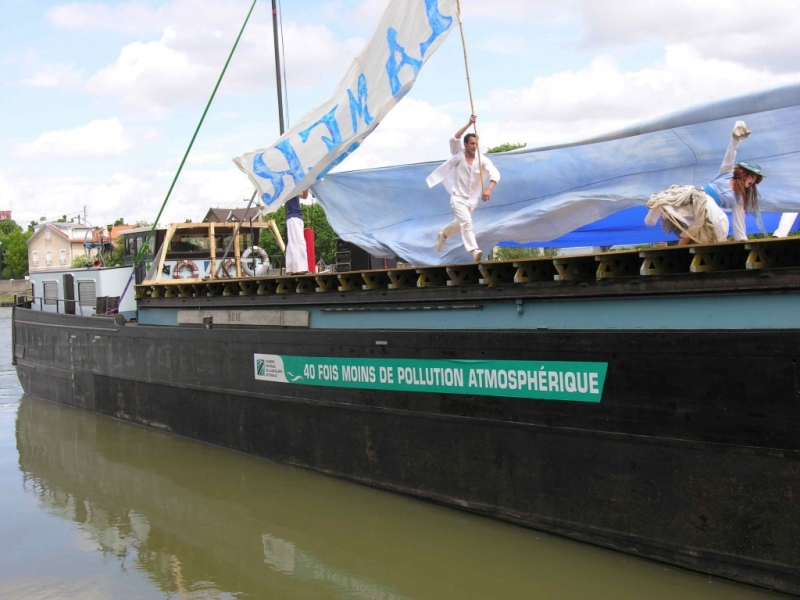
[{"x": 95, "y": 508}]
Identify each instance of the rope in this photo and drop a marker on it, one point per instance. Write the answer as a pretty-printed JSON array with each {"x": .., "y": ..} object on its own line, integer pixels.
[
  {"x": 469, "y": 89},
  {"x": 138, "y": 258}
]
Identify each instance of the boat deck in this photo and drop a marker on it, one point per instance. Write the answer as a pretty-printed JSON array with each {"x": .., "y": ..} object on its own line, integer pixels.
[{"x": 761, "y": 254}]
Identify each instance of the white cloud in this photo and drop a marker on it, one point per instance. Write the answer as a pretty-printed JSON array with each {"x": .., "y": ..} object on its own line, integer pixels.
[
  {"x": 100, "y": 138},
  {"x": 185, "y": 63},
  {"x": 136, "y": 18},
  {"x": 506, "y": 44},
  {"x": 43, "y": 74},
  {"x": 762, "y": 35},
  {"x": 414, "y": 131},
  {"x": 207, "y": 158},
  {"x": 601, "y": 97},
  {"x": 136, "y": 196}
]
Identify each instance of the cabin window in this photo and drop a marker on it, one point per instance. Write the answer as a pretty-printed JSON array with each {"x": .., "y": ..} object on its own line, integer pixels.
[
  {"x": 50, "y": 292},
  {"x": 48, "y": 257},
  {"x": 46, "y": 235},
  {"x": 35, "y": 258},
  {"x": 141, "y": 241},
  {"x": 188, "y": 242},
  {"x": 63, "y": 256},
  {"x": 87, "y": 295}
]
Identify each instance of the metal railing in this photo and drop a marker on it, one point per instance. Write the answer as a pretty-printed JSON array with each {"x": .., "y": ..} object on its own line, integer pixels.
[{"x": 27, "y": 300}]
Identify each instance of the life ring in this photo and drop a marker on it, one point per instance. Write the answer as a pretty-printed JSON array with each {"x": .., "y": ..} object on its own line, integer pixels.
[
  {"x": 251, "y": 269},
  {"x": 225, "y": 269},
  {"x": 184, "y": 264}
]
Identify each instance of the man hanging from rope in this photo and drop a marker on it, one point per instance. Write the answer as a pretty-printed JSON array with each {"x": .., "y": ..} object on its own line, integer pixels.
[{"x": 464, "y": 175}]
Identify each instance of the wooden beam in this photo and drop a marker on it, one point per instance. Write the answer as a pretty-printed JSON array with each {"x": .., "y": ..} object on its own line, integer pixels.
[
  {"x": 164, "y": 247},
  {"x": 212, "y": 248}
]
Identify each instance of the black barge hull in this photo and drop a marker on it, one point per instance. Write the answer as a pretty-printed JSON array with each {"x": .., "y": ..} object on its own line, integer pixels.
[{"x": 692, "y": 457}]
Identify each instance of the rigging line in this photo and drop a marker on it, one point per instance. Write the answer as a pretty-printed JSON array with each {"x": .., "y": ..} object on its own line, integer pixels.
[
  {"x": 188, "y": 150},
  {"x": 283, "y": 55}
]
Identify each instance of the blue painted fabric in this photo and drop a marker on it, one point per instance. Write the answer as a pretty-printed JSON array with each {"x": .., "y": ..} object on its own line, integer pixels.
[{"x": 589, "y": 193}]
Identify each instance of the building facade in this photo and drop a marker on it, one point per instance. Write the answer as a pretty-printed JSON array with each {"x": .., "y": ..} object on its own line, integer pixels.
[{"x": 54, "y": 246}]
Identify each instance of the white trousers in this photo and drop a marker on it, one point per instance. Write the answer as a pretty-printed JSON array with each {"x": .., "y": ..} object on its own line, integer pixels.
[
  {"x": 785, "y": 226},
  {"x": 296, "y": 255},
  {"x": 462, "y": 208}
]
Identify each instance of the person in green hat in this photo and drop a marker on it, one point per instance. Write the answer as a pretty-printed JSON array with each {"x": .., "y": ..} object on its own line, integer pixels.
[{"x": 698, "y": 214}]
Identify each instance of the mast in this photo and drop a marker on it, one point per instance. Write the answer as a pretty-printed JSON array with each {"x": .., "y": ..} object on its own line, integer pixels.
[{"x": 277, "y": 64}]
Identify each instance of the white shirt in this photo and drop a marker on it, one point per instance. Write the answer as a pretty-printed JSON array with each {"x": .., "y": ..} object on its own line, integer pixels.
[{"x": 460, "y": 178}]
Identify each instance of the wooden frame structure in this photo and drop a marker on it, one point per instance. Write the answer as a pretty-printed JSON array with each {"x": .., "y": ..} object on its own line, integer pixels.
[{"x": 211, "y": 230}]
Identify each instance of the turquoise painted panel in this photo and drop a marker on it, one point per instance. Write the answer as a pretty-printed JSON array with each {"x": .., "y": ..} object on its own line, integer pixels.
[{"x": 754, "y": 311}]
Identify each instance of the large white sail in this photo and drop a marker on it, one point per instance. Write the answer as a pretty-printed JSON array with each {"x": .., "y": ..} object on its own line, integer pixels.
[{"x": 409, "y": 32}]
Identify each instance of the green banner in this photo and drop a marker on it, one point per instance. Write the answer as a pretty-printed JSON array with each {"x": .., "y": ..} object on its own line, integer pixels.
[{"x": 540, "y": 380}]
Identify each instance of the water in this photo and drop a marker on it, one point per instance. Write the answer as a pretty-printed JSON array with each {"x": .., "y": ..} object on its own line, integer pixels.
[{"x": 95, "y": 508}]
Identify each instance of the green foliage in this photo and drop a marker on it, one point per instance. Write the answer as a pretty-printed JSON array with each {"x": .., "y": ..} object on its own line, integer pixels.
[
  {"x": 9, "y": 226},
  {"x": 313, "y": 216},
  {"x": 266, "y": 240},
  {"x": 15, "y": 254},
  {"x": 31, "y": 225},
  {"x": 63, "y": 219},
  {"x": 79, "y": 261},
  {"x": 120, "y": 221},
  {"x": 505, "y": 148},
  {"x": 117, "y": 257},
  {"x": 509, "y": 253}
]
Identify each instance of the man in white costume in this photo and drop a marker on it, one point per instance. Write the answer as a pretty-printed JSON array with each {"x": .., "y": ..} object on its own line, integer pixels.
[
  {"x": 296, "y": 255},
  {"x": 785, "y": 226},
  {"x": 463, "y": 179}
]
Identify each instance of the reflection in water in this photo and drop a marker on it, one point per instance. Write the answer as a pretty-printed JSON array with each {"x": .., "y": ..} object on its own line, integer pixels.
[
  {"x": 108, "y": 477},
  {"x": 198, "y": 521},
  {"x": 286, "y": 558}
]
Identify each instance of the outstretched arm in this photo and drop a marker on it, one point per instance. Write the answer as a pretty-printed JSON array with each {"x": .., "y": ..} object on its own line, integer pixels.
[
  {"x": 463, "y": 130},
  {"x": 740, "y": 132},
  {"x": 739, "y": 226}
]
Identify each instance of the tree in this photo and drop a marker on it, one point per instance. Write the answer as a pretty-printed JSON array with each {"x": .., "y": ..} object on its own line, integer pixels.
[
  {"x": 516, "y": 253},
  {"x": 32, "y": 225},
  {"x": 8, "y": 226},
  {"x": 63, "y": 219},
  {"x": 79, "y": 261},
  {"x": 15, "y": 254},
  {"x": 117, "y": 256},
  {"x": 120, "y": 221},
  {"x": 505, "y": 148}
]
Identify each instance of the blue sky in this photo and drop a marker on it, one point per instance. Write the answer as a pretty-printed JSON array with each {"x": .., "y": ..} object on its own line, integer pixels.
[{"x": 100, "y": 99}]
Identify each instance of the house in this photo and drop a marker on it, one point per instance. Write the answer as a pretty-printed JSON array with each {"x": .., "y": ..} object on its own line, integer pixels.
[
  {"x": 226, "y": 215},
  {"x": 54, "y": 246},
  {"x": 116, "y": 230}
]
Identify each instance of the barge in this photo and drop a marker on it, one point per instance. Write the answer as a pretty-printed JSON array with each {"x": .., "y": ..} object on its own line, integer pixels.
[{"x": 644, "y": 400}]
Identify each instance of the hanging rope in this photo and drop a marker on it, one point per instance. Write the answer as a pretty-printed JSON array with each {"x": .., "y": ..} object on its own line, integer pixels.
[
  {"x": 469, "y": 88},
  {"x": 186, "y": 154}
]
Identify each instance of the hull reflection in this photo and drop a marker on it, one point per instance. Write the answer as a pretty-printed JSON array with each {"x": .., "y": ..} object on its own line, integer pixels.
[{"x": 195, "y": 520}]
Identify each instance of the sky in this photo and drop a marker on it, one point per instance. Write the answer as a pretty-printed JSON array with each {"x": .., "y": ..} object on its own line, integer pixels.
[{"x": 99, "y": 100}]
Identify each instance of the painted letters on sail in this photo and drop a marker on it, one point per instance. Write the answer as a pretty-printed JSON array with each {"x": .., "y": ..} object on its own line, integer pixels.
[{"x": 410, "y": 31}]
